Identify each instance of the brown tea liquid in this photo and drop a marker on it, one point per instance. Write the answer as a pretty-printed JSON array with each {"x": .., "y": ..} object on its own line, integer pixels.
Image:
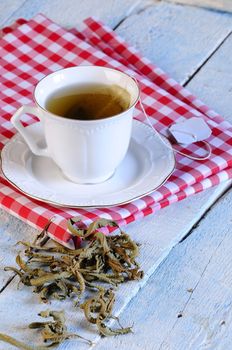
[{"x": 89, "y": 102}]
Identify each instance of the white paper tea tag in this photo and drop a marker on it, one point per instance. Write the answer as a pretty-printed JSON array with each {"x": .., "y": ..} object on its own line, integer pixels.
[{"x": 190, "y": 130}]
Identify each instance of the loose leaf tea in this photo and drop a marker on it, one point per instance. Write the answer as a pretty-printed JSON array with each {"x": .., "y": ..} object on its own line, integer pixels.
[
  {"x": 55, "y": 331},
  {"x": 56, "y": 272},
  {"x": 18, "y": 344},
  {"x": 98, "y": 310}
]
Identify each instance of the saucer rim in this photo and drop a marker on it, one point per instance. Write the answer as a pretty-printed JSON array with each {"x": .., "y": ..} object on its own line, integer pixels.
[{"x": 61, "y": 205}]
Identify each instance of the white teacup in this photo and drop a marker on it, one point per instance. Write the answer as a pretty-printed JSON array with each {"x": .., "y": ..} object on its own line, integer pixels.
[{"x": 87, "y": 151}]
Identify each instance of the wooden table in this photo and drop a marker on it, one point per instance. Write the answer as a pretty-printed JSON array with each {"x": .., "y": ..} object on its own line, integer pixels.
[{"x": 185, "y": 300}]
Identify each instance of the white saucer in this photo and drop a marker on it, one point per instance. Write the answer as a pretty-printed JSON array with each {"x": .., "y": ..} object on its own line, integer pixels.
[{"x": 147, "y": 165}]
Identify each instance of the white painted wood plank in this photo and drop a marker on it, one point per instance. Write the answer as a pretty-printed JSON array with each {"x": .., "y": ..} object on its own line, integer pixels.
[
  {"x": 69, "y": 12},
  {"x": 7, "y": 7},
  {"x": 153, "y": 226},
  {"x": 222, "y": 5},
  {"x": 12, "y": 230},
  {"x": 156, "y": 238},
  {"x": 207, "y": 315},
  {"x": 194, "y": 281},
  {"x": 8, "y": 258},
  {"x": 177, "y": 38},
  {"x": 213, "y": 83},
  {"x": 165, "y": 302}
]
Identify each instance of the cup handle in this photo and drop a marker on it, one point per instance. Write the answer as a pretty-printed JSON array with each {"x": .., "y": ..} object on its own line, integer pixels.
[{"x": 28, "y": 137}]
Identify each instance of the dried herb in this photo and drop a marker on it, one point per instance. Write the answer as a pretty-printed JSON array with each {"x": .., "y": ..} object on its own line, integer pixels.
[
  {"x": 98, "y": 310},
  {"x": 56, "y": 272},
  {"x": 55, "y": 331},
  {"x": 85, "y": 232},
  {"x": 18, "y": 344}
]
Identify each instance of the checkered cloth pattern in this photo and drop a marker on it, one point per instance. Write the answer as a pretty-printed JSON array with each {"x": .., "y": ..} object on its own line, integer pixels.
[{"x": 31, "y": 49}]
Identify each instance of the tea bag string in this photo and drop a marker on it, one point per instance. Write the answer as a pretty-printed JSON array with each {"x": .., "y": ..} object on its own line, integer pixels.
[{"x": 208, "y": 147}]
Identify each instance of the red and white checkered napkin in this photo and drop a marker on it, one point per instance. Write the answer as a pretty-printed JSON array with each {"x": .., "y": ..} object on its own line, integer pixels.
[{"x": 34, "y": 48}]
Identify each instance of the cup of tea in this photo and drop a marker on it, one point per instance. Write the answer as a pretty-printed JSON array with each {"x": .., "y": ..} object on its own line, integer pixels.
[{"x": 86, "y": 113}]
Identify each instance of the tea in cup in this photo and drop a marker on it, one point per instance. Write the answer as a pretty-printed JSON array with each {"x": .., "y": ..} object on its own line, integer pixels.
[{"x": 86, "y": 113}]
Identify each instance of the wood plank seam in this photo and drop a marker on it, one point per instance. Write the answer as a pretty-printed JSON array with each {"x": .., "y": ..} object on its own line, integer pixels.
[
  {"x": 10, "y": 279},
  {"x": 207, "y": 59},
  {"x": 206, "y": 212},
  {"x": 136, "y": 12},
  {"x": 8, "y": 282},
  {"x": 213, "y": 5},
  {"x": 192, "y": 291},
  {"x": 193, "y": 283},
  {"x": 15, "y": 11}
]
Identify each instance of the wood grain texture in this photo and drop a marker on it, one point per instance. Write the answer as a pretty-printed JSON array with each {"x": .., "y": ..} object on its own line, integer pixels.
[
  {"x": 222, "y": 5},
  {"x": 156, "y": 239},
  {"x": 164, "y": 298},
  {"x": 169, "y": 294},
  {"x": 68, "y": 13},
  {"x": 176, "y": 228},
  {"x": 12, "y": 230},
  {"x": 213, "y": 83},
  {"x": 8, "y": 7},
  {"x": 194, "y": 283},
  {"x": 177, "y": 38}
]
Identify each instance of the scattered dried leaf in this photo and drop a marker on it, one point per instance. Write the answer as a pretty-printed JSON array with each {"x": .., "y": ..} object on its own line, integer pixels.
[{"x": 57, "y": 272}]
